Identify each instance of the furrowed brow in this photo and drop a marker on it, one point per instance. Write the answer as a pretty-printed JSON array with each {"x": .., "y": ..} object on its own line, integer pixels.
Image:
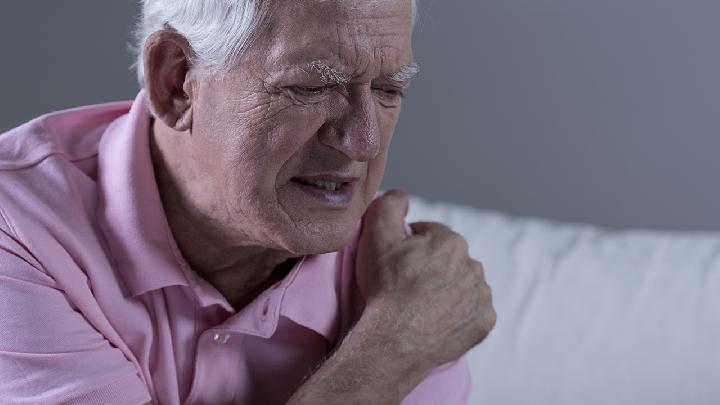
[
  {"x": 405, "y": 73},
  {"x": 328, "y": 74}
]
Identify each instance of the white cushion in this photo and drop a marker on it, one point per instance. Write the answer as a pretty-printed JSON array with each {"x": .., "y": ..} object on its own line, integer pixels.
[{"x": 591, "y": 316}]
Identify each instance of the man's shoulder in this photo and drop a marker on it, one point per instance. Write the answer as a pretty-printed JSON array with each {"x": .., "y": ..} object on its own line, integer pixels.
[
  {"x": 39, "y": 159},
  {"x": 71, "y": 133},
  {"x": 48, "y": 169}
]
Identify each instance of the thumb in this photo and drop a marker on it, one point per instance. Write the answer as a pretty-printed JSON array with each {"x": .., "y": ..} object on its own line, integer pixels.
[{"x": 384, "y": 220}]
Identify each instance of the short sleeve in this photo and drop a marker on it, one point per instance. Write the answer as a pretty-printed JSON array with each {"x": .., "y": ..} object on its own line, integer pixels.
[
  {"x": 448, "y": 384},
  {"x": 49, "y": 352}
]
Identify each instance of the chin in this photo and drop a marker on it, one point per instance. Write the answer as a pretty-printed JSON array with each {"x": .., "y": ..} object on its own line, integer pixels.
[{"x": 318, "y": 238}]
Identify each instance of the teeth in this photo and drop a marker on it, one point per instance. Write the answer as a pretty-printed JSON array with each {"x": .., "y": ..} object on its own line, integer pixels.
[{"x": 327, "y": 185}]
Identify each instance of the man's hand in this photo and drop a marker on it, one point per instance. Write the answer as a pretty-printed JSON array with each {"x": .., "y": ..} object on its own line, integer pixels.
[
  {"x": 427, "y": 303},
  {"x": 425, "y": 296}
]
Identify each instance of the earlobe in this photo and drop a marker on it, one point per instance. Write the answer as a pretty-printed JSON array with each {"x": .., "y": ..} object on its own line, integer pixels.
[
  {"x": 167, "y": 60},
  {"x": 184, "y": 122}
]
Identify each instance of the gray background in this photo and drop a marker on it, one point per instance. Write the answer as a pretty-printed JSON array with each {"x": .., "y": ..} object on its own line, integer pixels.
[{"x": 603, "y": 111}]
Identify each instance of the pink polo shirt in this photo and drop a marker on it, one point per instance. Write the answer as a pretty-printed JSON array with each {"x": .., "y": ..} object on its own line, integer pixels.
[{"x": 98, "y": 306}]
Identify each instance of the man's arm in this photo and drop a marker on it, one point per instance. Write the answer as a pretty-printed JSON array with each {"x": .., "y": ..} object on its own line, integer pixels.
[
  {"x": 427, "y": 303},
  {"x": 360, "y": 371},
  {"x": 49, "y": 352}
]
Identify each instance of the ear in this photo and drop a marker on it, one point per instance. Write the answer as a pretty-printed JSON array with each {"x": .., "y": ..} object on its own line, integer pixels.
[{"x": 167, "y": 61}]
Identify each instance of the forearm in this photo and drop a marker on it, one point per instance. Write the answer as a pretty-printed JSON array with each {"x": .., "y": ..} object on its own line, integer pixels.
[{"x": 361, "y": 371}]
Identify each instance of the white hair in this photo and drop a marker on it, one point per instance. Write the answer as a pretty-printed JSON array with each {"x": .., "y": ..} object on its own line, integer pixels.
[{"x": 217, "y": 30}]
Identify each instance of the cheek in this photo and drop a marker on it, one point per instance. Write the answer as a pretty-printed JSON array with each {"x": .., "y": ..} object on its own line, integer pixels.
[
  {"x": 387, "y": 129},
  {"x": 376, "y": 168},
  {"x": 256, "y": 134},
  {"x": 274, "y": 151}
]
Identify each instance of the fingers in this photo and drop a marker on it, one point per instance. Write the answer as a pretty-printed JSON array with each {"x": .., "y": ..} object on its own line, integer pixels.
[
  {"x": 384, "y": 220},
  {"x": 422, "y": 227},
  {"x": 441, "y": 237},
  {"x": 478, "y": 267}
]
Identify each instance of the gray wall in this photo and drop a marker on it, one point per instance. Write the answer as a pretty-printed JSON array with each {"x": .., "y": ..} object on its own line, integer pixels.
[
  {"x": 60, "y": 54},
  {"x": 603, "y": 111}
]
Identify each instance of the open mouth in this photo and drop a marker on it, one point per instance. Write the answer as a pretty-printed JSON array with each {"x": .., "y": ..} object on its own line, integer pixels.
[
  {"x": 330, "y": 192},
  {"x": 324, "y": 185}
]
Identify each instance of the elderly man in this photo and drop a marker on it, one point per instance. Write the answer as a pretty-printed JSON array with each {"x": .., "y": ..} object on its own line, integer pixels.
[{"x": 218, "y": 241}]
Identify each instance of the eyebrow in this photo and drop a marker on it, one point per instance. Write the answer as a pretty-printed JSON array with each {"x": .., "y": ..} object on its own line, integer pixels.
[
  {"x": 405, "y": 73},
  {"x": 330, "y": 75}
]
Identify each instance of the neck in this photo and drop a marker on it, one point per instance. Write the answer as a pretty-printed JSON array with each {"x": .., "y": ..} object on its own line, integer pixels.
[{"x": 237, "y": 268}]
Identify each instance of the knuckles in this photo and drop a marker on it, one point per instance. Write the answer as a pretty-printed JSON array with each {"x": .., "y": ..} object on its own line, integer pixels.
[
  {"x": 458, "y": 242},
  {"x": 450, "y": 242}
]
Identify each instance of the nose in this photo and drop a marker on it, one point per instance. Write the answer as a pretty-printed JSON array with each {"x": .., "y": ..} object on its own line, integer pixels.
[{"x": 355, "y": 132}]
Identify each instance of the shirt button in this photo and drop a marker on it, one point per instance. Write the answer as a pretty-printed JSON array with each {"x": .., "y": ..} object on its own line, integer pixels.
[{"x": 221, "y": 338}]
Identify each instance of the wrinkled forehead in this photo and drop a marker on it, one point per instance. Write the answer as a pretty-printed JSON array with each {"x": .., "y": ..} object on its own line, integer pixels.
[
  {"x": 358, "y": 7},
  {"x": 371, "y": 35}
]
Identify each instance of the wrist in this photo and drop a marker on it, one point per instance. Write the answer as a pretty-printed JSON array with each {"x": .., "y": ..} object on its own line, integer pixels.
[
  {"x": 379, "y": 339},
  {"x": 367, "y": 367}
]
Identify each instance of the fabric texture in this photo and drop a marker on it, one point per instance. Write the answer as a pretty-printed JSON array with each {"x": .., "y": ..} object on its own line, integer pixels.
[{"x": 97, "y": 305}]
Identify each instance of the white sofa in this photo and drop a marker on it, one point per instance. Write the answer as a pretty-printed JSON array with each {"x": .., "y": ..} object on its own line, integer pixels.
[{"x": 590, "y": 316}]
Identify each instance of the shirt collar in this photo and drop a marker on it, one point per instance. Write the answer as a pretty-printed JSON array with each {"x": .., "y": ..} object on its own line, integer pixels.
[
  {"x": 130, "y": 212},
  {"x": 318, "y": 293},
  {"x": 313, "y": 299}
]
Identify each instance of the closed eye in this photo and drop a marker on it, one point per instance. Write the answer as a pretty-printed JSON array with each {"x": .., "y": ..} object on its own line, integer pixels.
[
  {"x": 310, "y": 91},
  {"x": 389, "y": 96},
  {"x": 392, "y": 92}
]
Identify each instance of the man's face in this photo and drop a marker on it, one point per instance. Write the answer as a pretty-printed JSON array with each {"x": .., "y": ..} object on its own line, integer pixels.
[{"x": 313, "y": 99}]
